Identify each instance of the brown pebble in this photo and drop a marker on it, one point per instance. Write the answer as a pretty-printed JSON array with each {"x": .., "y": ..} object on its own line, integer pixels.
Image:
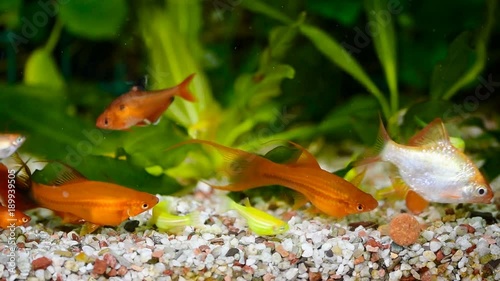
[
  {"x": 439, "y": 255},
  {"x": 204, "y": 248},
  {"x": 136, "y": 267},
  {"x": 375, "y": 257},
  {"x": 359, "y": 260},
  {"x": 284, "y": 253},
  {"x": 103, "y": 244},
  {"x": 41, "y": 263},
  {"x": 267, "y": 277},
  {"x": 270, "y": 245},
  {"x": 407, "y": 278},
  {"x": 314, "y": 276},
  {"x": 449, "y": 211},
  {"x": 158, "y": 254},
  {"x": 404, "y": 229},
  {"x": 112, "y": 272},
  {"x": 248, "y": 269},
  {"x": 425, "y": 274},
  {"x": 122, "y": 271},
  {"x": 470, "y": 249},
  {"x": 99, "y": 267},
  {"x": 110, "y": 260},
  {"x": 470, "y": 229}
]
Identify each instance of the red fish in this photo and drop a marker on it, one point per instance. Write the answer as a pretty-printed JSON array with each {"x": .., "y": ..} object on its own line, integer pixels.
[
  {"x": 140, "y": 108},
  {"x": 77, "y": 199},
  {"x": 12, "y": 217},
  {"x": 329, "y": 193}
]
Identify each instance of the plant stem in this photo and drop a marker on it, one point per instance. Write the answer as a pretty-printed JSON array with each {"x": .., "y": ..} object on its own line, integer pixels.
[{"x": 54, "y": 36}]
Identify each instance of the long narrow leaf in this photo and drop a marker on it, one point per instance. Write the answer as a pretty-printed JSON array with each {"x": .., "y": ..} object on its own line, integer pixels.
[
  {"x": 385, "y": 45},
  {"x": 338, "y": 55}
]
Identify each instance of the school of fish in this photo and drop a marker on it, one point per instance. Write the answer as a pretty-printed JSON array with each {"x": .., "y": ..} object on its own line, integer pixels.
[{"x": 428, "y": 169}]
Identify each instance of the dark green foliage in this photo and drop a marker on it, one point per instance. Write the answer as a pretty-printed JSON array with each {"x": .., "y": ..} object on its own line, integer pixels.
[{"x": 265, "y": 70}]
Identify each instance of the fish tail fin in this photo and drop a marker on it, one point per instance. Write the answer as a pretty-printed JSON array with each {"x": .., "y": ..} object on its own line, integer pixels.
[
  {"x": 183, "y": 89},
  {"x": 373, "y": 155},
  {"x": 239, "y": 170},
  {"x": 195, "y": 219}
]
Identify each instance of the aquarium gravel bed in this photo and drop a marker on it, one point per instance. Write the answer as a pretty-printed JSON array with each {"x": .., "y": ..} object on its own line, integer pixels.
[{"x": 453, "y": 245}]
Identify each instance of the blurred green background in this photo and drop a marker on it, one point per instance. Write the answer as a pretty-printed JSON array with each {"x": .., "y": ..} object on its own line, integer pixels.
[{"x": 317, "y": 71}]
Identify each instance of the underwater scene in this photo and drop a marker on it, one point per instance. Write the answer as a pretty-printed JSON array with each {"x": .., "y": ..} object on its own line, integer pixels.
[{"x": 249, "y": 140}]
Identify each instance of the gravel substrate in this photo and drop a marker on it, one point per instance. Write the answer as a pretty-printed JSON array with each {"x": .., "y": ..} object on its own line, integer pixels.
[{"x": 452, "y": 246}]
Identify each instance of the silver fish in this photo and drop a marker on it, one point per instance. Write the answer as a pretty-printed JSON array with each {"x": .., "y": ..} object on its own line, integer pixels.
[{"x": 9, "y": 143}]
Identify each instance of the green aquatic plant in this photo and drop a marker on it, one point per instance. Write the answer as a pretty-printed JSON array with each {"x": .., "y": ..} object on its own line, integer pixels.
[{"x": 249, "y": 90}]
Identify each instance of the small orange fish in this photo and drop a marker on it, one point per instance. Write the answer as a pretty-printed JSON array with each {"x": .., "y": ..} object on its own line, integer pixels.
[
  {"x": 327, "y": 192},
  {"x": 9, "y": 143},
  {"x": 140, "y": 108},
  {"x": 78, "y": 199},
  {"x": 9, "y": 218},
  {"x": 431, "y": 169}
]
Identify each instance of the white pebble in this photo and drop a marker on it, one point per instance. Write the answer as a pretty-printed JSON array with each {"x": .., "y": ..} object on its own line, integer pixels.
[
  {"x": 429, "y": 255},
  {"x": 291, "y": 273},
  {"x": 307, "y": 250},
  {"x": 435, "y": 246}
]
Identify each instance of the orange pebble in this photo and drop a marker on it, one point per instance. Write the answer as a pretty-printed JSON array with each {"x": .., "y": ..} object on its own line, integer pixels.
[{"x": 404, "y": 229}]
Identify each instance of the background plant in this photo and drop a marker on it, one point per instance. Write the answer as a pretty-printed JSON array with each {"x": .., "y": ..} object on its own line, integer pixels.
[{"x": 264, "y": 71}]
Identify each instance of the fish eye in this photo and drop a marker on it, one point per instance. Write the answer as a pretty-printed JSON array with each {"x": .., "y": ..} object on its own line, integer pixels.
[
  {"x": 122, "y": 106},
  {"x": 19, "y": 140},
  {"x": 481, "y": 191},
  {"x": 25, "y": 220},
  {"x": 360, "y": 207},
  {"x": 145, "y": 206},
  {"x": 106, "y": 122}
]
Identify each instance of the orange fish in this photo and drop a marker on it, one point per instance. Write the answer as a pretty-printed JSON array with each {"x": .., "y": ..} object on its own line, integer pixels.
[
  {"x": 140, "y": 108},
  {"x": 327, "y": 192},
  {"x": 431, "y": 169},
  {"x": 11, "y": 218},
  {"x": 9, "y": 143},
  {"x": 78, "y": 199}
]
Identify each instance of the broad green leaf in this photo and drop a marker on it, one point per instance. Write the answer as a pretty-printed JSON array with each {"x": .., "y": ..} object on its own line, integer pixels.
[
  {"x": 339, "y": 56},
  {"x": 105, "y": 169},
  {"x": 41, "y": 70},
  {"x": 52, "y": 133},
  {"x": 147, "y": 146},
  {"x": 94, "y": 19},
  {"x": 383, "y": 23},
  {"x": 459, "y": 59},
  {"x": 345, "y": 12}
]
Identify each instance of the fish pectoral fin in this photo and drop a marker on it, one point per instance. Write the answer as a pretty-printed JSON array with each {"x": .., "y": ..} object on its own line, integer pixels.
[
  {"x": 432, "y": 135},
  {"x": 356, "y": 181},
  {"x": 69, "y": 218},
  {"x": 415, "y": 203},
  {"x": 299, "y": 200},
  {"x": 88, "y": 228}
]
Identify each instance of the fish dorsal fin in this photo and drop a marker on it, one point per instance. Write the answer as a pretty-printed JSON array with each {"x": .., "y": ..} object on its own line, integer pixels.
[
  {"x": 67, "y": 175},
  {"x": 432, "y": 135},
  {"x": 23, "y": 172},
  {"x": 306, "y": 159}
]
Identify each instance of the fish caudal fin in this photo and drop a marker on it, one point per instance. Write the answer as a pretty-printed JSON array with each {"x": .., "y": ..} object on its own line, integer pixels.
[
  {"x": 373, "y": 154},
  {"x": 238, "y": 169},
  {"x": 183, "y": 89}
]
